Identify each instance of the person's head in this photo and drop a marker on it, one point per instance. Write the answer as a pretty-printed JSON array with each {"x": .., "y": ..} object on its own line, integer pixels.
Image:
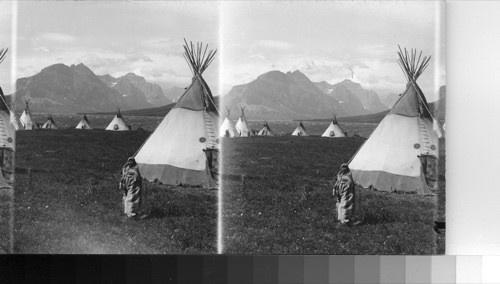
[
  {"x": 344, "y": 168},
  {"x": 131, "y": 161}
]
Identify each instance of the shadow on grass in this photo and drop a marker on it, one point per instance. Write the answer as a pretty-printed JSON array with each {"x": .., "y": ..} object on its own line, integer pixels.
[{"x": 371, "y": 219}]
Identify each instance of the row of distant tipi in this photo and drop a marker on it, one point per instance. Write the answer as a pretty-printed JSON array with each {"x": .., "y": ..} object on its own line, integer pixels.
[
  {"x": 242, "y": 129},
  {"x": 28, "y": 122}
]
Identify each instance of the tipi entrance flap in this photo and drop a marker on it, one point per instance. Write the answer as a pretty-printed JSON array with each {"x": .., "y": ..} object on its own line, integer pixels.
[
  {"x": 430, "y": 169},
  {"x": 7, "y": 131}
]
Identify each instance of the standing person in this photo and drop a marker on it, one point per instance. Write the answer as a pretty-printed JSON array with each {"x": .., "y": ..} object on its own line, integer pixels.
[
  {"x": 345, "y": 193},
  {"x": 131, "y": 185}
]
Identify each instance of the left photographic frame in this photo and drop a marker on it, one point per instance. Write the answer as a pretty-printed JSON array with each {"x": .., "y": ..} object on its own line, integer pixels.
[{"x": 93, "y": 173}]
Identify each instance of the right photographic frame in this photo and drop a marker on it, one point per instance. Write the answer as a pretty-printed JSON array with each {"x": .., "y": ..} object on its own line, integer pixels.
[{"x": 332, "y": 128}]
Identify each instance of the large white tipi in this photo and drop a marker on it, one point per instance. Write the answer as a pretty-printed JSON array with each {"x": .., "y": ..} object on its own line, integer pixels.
[
  {"x": 300, "y": 130},
  {"x": 334, "y": 130},
  {"x": 402, "y": 152},
  {"x": 118, "y": 124},
  {"x": 266, "y": 130},
  {"x": 7, "y": 139},
  {"x": 227, "y": 128},
  {"x": 242, "y": 126},
  {"x": 27, "y": 120},
  {"x": 184, "y": 147},
  {"x": 84, "y": 123},
  {"x": 49, "y": 124}
]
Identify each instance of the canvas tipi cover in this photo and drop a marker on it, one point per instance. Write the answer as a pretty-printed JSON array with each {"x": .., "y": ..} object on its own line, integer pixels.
[
  {"x": 334, "y": 129},
  {"x": 300, "y": 130},
  {"x": 84, "y": 123},
  {"x": 7, "y": 138},
  {"x": 49, "y": 124},
  {"x": 227, "y": 128},
  {"x": 242, "y": 126},
  {"x": 265, "y": 131},
  {"x": 177, "y": 152},
  {"x": 118, "y": 124},
  {"x": 404, "y": 146},
  {"x": 27, "y": 120}
]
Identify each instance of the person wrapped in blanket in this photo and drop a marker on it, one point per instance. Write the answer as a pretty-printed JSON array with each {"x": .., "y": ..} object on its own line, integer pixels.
[
  {"x": 345, "y": 193},
  {"x": 131, "y": 187}
]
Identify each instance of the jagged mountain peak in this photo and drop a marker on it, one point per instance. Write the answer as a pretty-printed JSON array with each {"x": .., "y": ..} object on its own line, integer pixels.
[{"x": 82, "y": 68}]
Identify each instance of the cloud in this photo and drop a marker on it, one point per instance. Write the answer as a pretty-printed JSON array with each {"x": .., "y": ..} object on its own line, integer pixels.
[
  {"x": 58, "y": 37},
  {"x": 139, "y": 57},
  {"x": 271, "y": 44},
  {"x": 257, "y": 56},
  {"x": 42, "y": 48}
]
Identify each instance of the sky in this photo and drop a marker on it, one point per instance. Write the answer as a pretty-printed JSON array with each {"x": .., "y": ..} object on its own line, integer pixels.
[
  {"x": 6, "y": 81},
  {"x": 326, "y": 40},
  {"x": 116, "y": 38},
  {"x": 329, "y": 41}
]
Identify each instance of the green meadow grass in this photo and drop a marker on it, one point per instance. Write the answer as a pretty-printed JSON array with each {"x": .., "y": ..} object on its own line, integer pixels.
[
  {"x": 277, "y": 199},
  {"x": 67, "y": 199}
]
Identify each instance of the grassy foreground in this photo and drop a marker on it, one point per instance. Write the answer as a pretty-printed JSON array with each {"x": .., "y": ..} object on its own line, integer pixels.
[
  {"x": 67, "y": 199},
  {"x": 277, "y": 199}
]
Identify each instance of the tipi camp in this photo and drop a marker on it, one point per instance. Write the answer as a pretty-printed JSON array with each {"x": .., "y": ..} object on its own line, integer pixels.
[
  {"x": 265, "y": 131},
  {"x": 27, "y": 120},
  {"x": 300, "y": 130},
  {"x": 184, "y": 147},
  {"x": 49, "y": 124},
  {"x": 118, "y": 124},
  {"x": 227, "y": 128},
  {"x": 84, "y": 123},
  {"x": 334, "y": 129},
  {"x": 401, "y": 154},
  {"x": 242, "y": 126}
]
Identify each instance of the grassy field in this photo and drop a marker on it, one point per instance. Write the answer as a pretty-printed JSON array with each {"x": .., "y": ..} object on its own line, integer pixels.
[
  {"x": 441, "y": 197},
  {"x": 67, "y": 199},
  {"x": 277, "y": 196}
]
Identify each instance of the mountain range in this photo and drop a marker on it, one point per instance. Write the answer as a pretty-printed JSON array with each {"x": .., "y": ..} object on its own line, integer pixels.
[
  {"x": 281, "y": 96},
  {"x": 274, "y": 95},
  {"x": 353, "y": 97},
  {"x": 71, "y": 89}
]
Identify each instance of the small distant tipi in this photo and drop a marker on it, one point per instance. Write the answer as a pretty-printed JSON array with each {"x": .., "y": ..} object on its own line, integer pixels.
[
  {"x": 334, "y": 129},
  {"x": 27, "y": 120},
  {"x": 402, "y": 152},
  {"x": 84, "y": 123},
  {"x": 266, "y": 130},
  {"x": 227, "y": 128},
  {"x": 118, "y": 124},
  {"x": 300, "y": 130},
  {"x": 242, "y": 126},
  {"x": 184, "y": 147},
  {"x": 49, "y": 124}
]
